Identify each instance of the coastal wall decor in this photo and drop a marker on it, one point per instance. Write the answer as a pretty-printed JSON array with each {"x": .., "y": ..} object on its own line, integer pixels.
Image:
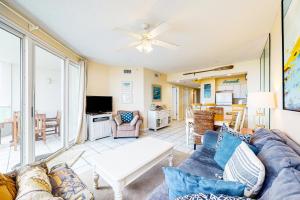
[
  {"x": 156, "y": 93},
  {"x": 207, "y": 91},
  {"x": 291, "y": 54}
]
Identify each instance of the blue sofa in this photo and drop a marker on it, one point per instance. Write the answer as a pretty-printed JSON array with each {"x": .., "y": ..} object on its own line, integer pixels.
[{"x": 280, "y": 155}]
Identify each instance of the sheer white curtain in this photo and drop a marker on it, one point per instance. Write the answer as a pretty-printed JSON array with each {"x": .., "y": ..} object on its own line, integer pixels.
[{"x": 82, "y": 128}]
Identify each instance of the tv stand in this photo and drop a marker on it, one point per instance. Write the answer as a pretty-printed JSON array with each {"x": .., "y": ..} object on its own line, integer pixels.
[{"x": 99, "y": 126}]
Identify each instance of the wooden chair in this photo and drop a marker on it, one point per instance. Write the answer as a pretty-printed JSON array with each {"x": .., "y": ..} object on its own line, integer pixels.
[
  {"x": 219, "y": 113},
  {"x": 40, "y": 127},
  {"x": 203, "y": 121},
  {"x": 15, "y": 129},
  {"x": 53, "y": 124}
]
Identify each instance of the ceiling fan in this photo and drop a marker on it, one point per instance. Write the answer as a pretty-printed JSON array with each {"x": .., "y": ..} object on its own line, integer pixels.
[{"x": 146, "y": 40}]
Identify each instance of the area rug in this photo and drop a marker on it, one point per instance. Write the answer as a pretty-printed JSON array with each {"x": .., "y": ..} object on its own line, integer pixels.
[{"x": 137, "y": 190}]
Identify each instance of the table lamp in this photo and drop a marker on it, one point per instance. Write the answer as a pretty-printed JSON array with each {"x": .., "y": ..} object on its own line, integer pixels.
[{"x": 261, "y": 101}]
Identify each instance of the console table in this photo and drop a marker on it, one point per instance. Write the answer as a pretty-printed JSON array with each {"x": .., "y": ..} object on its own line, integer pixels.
[
  {"x": 158, "y": 119},
  {"x": 99, "y": 126}
]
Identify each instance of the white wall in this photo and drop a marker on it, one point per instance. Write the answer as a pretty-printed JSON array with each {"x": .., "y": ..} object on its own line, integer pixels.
[
  {"x": 116, "y": 76},
  {"x": 251, "y": 68},
  {"x": 97, "y": 79},
  {"x": 287, "y": 121},
  {"x": 106, "y": 80}
]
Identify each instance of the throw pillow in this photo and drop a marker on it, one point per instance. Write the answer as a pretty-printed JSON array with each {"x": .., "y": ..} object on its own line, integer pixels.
[
  {"x": 181, "y": 183},
  {"x": 202, "y": 196},
  {"x": 66, "y": 184},
  {"x": 8, "y": 190},
  {"x": 225, "y": 129},
  {"x": 33, "y": 183},
  {"x": 126, "y": 117},
  {"x": 134, "y": 120},
  {"x": 118, "y": 120},
  {"x": 246, "y": 168},
  {"x": 226, "y": 148}
]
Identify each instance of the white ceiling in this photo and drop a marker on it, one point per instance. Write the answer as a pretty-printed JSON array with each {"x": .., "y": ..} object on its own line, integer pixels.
[{"x": 209, "y": 32}]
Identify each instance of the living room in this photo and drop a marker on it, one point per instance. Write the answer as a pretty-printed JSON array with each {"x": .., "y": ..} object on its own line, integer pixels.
[{"x": 130, "y": 100}]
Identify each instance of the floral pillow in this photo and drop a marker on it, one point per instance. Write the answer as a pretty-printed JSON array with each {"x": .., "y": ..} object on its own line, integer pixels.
[
  {"x": 244, "y": 137},
  {"x": 202, "y": 196},
  {"x": 67, "y": 185},
  {"x": 33, "y": 183}
]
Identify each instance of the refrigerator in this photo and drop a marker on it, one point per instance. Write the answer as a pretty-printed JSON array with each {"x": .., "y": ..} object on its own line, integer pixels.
[{"x": 224, "y": 98}]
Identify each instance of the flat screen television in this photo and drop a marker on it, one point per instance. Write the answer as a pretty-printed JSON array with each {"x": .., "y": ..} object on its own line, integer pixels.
[{"x": 98, "y": 104}]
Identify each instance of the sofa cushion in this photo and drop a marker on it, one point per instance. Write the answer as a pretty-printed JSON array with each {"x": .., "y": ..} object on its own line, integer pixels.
[
  {"x": 225, "y": 129},
  {"x": 226, "y": 148},
  {"x": 67, "y": 185},
  {"x": 202, "y": 196},
  {"x": 118, "y": 120},
  {"x": 181, "y": 183},
  {"x": 134, "y": 120},
  {"x": 246, "y": 168},
  {"x": 210, "y": 139},
  {"x": 33, "y": 183},
  {"x": 126, "y": 117},
  {"x": 8, "y": 190},
  {"x": 126, "y": 127},
  {"x": 285, "y": 186},
  {"x": 276, "y": 156},
  {"x": 263, "y": 136},
  {"x": 287, "y": 140},
  {"x": 202, "y": 163}
]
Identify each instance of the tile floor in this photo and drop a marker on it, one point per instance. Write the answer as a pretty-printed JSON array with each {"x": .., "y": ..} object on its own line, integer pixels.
[{"x": 174, "y": 134}]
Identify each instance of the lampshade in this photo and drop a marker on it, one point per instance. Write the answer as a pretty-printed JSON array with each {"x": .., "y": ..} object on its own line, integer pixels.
[{"x": 261, "y": 100}]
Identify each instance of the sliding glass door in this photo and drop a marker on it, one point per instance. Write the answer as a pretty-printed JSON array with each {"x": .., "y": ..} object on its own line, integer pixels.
[
  {"x": 39, "y": 95},
  {"x": 48, "y": 101},
  {"x": 10, "y": 99}
]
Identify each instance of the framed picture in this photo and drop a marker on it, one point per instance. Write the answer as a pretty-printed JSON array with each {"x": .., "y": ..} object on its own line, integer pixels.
[
  {"x": 291, "y": 54},
  {"x": 156, "y": 93},
  {"x": 126, "y": 92},
  {"x": 207, "y": 91}
]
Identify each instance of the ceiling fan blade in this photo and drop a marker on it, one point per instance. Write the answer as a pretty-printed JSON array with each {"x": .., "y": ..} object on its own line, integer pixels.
[
  {"x": 158, "y": 30},
  {"x": 130, "y": 33},
  {"x": 133, "y": 44},
  {"x": 164, "y": 44}
]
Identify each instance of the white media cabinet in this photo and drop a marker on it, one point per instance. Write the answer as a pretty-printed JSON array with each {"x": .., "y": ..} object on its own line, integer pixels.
[
  {"x": 158, "y": 119},
  {"x": 99, "y": 126}
]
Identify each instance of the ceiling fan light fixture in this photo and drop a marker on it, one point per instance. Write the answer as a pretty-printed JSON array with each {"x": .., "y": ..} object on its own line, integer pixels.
[{"x": 145, "y": 47}]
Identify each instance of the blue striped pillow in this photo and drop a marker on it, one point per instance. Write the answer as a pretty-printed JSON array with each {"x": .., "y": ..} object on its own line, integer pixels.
[{"x": 246, "y": 168}]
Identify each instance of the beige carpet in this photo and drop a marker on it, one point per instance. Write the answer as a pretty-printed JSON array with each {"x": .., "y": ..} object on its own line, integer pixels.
[{"x": 137, "y": 190}]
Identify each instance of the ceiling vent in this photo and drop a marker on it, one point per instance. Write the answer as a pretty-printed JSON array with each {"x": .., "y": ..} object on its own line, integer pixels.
[{"x": 127, "y": 71}]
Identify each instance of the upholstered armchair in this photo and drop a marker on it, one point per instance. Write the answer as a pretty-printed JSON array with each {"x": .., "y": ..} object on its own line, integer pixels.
[{"x": 122, "y": 129}]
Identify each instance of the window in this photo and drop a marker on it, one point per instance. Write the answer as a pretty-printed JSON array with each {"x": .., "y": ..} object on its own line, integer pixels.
[{"x": 10, "y": 99}]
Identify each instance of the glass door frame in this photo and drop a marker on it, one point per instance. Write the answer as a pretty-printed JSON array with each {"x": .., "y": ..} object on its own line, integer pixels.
[
  {"x": 6, "y": 27},
  {"x": 63, "y": 92}
]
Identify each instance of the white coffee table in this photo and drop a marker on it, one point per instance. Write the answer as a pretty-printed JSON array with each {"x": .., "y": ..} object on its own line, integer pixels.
[{"x": 120, "y": 166}]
